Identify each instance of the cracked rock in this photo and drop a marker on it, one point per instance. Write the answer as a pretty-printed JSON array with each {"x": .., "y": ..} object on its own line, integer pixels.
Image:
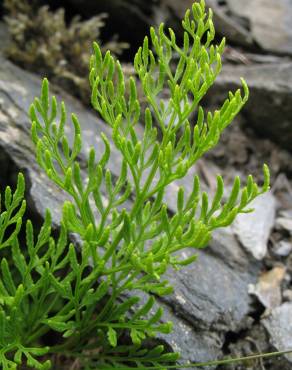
[
  {"x": 279, "y": 326},
  {"x": 253, "y": 230},
  {"x": 269, "y": 108},
  {"x": 269, "y": 22}
]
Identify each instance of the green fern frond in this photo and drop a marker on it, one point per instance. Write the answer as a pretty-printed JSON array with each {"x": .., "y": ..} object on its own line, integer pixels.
[{"x": 89, "y": 295}]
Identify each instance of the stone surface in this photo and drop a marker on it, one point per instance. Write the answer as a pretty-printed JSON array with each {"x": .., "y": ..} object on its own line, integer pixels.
[
  {"x": 194, "y": 345},
  {"x": 284, "y": 224},
  {"x": 137, "y": 12},
  {"x": 283, "y": 248},
  {"x": 253, "y": 230},
  {"x": 129, "y": 19},
  {"x": 279, "y": 326},
  {"x": 254, "y": 23},
  {"x": 269, "y": 108},
  {"x": 229, "y": 27},
  {"x": 210, "y": 294},
  {"x": 269, "y": 22},
  {"x": 141, "y": 15}
]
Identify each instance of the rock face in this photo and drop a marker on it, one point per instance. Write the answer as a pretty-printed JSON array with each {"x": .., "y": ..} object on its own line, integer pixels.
[
  {"x": 136, "y": 11},
  {"x": 257, "y": 24},
  {"x": 210, "y": 298},
  {"x": 269, "y": 22},
  {"x": 279, "y": 326},
  {"x": 269, "y": 108},
  {"x": 231, "y": 27},
  {"x": 209, "y": 294},
  {"x": 141, "y": 15},
  {"x": 131, "y": 20},
  {"x": 253, "y": 230},
  {"x": 254, "y": 23}
]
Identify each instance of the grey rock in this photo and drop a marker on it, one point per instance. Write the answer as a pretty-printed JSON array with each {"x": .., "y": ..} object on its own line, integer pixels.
[
  {"x": 132, "y": 19},
  {"x": 269, "y": 108},
  {"x": 283, "y": 248},
  {"x": 265, "y": 58},
  {"x": 225, "y": 25},
  {"x": 141, "y": 15},
  {"x": 286, "y": 213},
  {"x": 238, "y": 7},
  {"x": 279, "y": 326},
  {"x": 253, "y": 230},
  {"x": 210, "y": 294},
  {"x": 284, "y": 224},
  {"x": 230, "y": 27},
  {"x": 194, "y": 345},
  {"x": 269, "y": 20},
  {"x": 138, "y": 11},
  {"x": 225, "y": 246}
]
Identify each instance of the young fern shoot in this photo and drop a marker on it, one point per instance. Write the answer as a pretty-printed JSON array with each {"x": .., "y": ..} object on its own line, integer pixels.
[{"x": 91, "y": 296}]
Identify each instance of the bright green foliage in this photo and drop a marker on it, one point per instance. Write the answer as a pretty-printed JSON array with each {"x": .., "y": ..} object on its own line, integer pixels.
[{"x": 89, "y": 294}]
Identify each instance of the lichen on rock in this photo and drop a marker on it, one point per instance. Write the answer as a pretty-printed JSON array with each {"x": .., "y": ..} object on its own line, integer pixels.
[{"x": 42, "y": 41}]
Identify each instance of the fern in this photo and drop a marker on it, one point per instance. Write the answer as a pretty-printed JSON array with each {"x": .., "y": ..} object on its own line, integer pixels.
[{"x": 88, "y": 294}]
